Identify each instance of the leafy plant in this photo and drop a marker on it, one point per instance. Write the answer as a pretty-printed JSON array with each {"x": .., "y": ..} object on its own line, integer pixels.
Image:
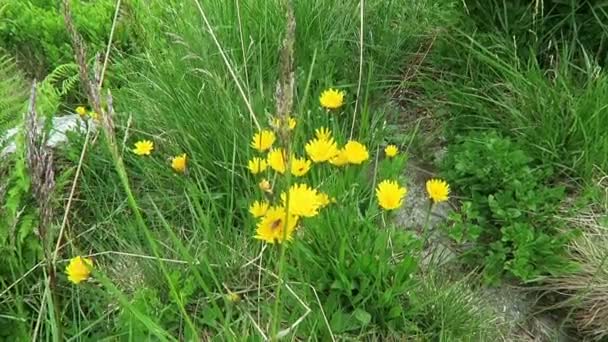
[{"x": 508, "y": 212}]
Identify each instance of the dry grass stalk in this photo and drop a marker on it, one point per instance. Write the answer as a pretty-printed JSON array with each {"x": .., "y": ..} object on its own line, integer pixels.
[
  {"x": 585, "y": 293},
  {"x": 39, "y": 159},
  {"x": 286, "y": 82}
]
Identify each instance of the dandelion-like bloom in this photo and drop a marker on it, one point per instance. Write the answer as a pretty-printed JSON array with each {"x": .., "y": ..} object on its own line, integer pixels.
[
  {"x": 438, "y": 190},
  {"x": 324, "y": 199},
  {"x": 259, "y": 208},
  {"x": 79, "y": 269},
  {"x": 143, "y": 147},
  {"x": 323, "y": 133},
  {"x": 263, "y": 140},
  {"x": 233, "y": 297},
  {"x": 276, "y": 226},
  {"x": 276, "y": 160},
  {"x": 178, "y": 163},
  {"x": 291, "y": 123},
  {"x": 303, "y": 200},
  {"x": 340, "y": 159},
  {"x": 80, "y": 110},
  {"x": 299, "y": 166},
  {"x": 320, "y": 150},
  {"x": 391, "y": 151},
  {"x": 257, "y": 165},
  {"x": 265, "y": 186},
  {"x": 332, "y": 99},
  {"x": 390, "y": 195},
  {"x": 355, "y": 152}
]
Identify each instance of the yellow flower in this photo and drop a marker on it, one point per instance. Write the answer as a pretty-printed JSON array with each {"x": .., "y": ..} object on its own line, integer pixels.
[
  {"x": 391, "y": 151},
  {"x": 390, "y": 195},
  {"x": 320, "y": 150},
  {"x": 233, "y": 297},
  {"x": 323, "y": 133},
  {"x": 276, "y": 226},
  {"x": 257, "y": 165},
  {"x": 143, "y": 147},
  {"x": 340, "y": 159},
  {"x": 299, "y": 166},
  {"x": 276, "y": 160},
  {"x": 79, "y": 269},
  {"x": 80, "y": 110},
  {"x": 259, "y": 208},
  {"x": 325, "y": 200},
  {"x": 178, "y": 163},
  {"x": 265, "y": 186},
  {"x": 94, "y": 115},
  {"x": 263, "y": 140},
  {"x": 438, "y": 190},
  {"x": 355, "y": 152},
  {"x": 303, "y": 200},
  {"x": 332, "y": 99},
  {"x": 291, "y": 123}
]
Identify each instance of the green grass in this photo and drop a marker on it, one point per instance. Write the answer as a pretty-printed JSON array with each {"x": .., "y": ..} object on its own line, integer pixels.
[
  {"x": 171, "y": 250},
  {"x": 13, "y": 92}
]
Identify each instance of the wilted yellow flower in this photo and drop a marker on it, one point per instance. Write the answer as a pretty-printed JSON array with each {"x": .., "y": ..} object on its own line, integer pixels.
[
  {"x": 276, "y": 160},
  {"x": 390, "y": 195},
  {"x": 356, "y": 152},
  {"x": 257, "y": 165},
  {"x": 320, "y": 150},
  {"x": 299, "y": 166},
  {"x": 263, "y": 140},
  {"x": 233, "y": 297},
  {"x": 303, "y": 200},
  {"x": 391, "y": 151},
  {"x": 323, "y": 133},
  {"x": 80, "y": 110},
  {"x": 438, "y": 190},
  {"x": 276, "y": 226},
  {"x": 265, "y": 186},
  {"x": 178, "y": 163},
  {"x": 259, "y": 208},
  {"x": 332, "y": 99},
  {"x": 291, "y": 123},
  {"x": 340, "y": 159},
  {"x": 79, "y": 269},
  {"x": 143, "y": 147}
]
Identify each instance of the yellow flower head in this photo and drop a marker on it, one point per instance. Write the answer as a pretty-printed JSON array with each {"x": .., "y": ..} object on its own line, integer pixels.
[
  {"x": 80, "y": 110},
  {"x": 299, "y": 166},
  {"x": 438, "y": 190},
  {"x": 323, "y": 133},
  {"x": 355, "y": 152},
  {"x": 332, "y": 99},
  {"x": 276, "y": 226},
  {"x": 178, "y": 163},
  {"x": 325, "y": 200},
  {"x": 303, "y": 200},
  {"x": 391, "y": 151},
  {"x": 277, "y": 160},
  {"x": 257, "y": 165},
  {"x": 259, "y": 208},
  {"x": 390, "y": 195},
  {"x": 94, "y": 115},
  {"x": 320, "y": 150},
  {"x": 143, "y": 147},
  {"x": 340, "y": 159},
  {"x": 79, "y": 269},
  {"x": 291, "y": 123},
  {"x": 263, "y": 140},
  {"x": 265, "y": 186},
  {"x": 233, "y": 297}
]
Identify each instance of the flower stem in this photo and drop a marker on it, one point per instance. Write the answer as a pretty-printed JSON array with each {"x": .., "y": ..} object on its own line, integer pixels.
[{"x": 425, "y": 230}]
